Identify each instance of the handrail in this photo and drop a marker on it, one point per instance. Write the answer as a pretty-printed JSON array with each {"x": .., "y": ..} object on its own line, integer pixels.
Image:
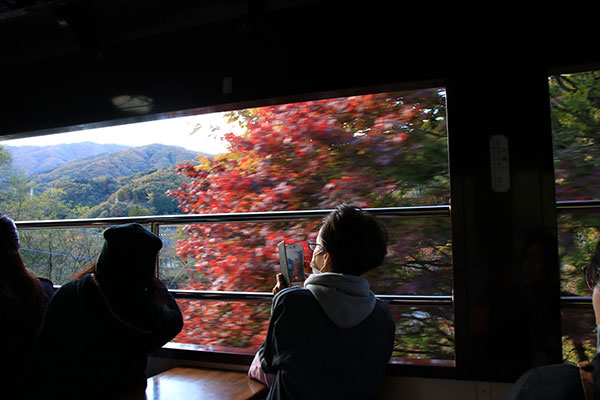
[
  {"x": 409, "y": 300},
  {"x": 575, "y": 301},
  {"x": 406, "y": 300},
  {"x": 222, "y": 295},
  {"x": 387, "y": 212},
  {"x": 570, "y": 205},
  {"x": 393, "y": 299},
  {"x": 157, "y": 220}
]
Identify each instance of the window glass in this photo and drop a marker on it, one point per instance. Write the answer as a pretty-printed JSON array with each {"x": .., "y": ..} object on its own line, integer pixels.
[
  {"x": 575, "y": 107},
  {"x": 376, "y": 150},
  {"x": 115, "y": 171},
  {"x": 373, "y": 151},
  {"x": 59, "y": 254},
  {"x": 423, "y": 332},
  {"x": 243, "y": 256},
  {"x": 418, "y": 263},
  {"x": 232, "y": 326},
  {"x": 578, "y": 341}
]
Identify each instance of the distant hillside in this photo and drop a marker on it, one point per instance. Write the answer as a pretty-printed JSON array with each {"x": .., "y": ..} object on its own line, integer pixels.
[
  {"x": 141, "y": 195},
  {"x": 43, "y": 159},
  {"x": 118, "y": 164}
]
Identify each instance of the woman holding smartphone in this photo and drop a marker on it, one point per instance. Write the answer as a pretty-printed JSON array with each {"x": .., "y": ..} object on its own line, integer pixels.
[{"x": 332, "y": 338}]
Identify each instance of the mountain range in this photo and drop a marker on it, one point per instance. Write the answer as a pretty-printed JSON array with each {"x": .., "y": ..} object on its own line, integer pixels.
[
  {"x": 117, "y": 164},
  {"x": 42, "y": 159},
  {"x": 110, "y": 180},
  {"x": 47, "y": 164}
]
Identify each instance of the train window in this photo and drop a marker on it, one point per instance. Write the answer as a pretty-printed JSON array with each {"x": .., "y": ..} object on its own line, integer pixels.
[
  {"x": 385, "y": 151},
  {"x": 575, "y": 108}
]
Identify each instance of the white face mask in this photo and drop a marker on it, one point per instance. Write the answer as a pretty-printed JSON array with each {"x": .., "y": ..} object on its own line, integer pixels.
[
  {"x": 318, "y": 253},
  {"x": 316, "y": 269}
]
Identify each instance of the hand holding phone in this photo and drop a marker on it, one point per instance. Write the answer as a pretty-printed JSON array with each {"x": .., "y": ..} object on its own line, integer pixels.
[
  {"x": 291, "y": 261},
  {"x": 280, "y": 285}
]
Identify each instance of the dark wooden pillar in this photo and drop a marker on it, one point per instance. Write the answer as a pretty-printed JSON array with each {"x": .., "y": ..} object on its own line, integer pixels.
[{"x": 507, "y": 287}]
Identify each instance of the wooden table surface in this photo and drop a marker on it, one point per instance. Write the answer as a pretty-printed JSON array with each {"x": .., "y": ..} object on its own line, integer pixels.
[{"x": 203, "y": 384}]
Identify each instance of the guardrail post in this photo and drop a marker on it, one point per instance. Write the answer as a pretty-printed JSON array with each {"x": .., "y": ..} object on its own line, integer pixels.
[{"x": 155, "y": 228}]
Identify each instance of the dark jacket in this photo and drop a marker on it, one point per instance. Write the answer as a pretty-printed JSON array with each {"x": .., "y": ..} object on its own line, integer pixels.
[
  {"x": 313, "y": 358},
  {"x": 88, "y": 348},
  {"x": 553, "y": 382},
  {"x": 19, "y": 325}
]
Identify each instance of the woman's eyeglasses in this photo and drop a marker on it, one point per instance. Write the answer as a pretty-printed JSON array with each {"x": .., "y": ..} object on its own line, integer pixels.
[
  {"x": 591, "y": 276},
  {"x": 313, "y": 245}
]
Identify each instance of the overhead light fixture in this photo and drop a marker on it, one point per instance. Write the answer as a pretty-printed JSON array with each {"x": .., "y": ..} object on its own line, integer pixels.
[{"x": 137, "y": 104}]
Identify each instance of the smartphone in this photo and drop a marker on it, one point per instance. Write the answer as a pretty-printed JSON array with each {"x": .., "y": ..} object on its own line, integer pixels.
[{"x": 291, "y": 261}]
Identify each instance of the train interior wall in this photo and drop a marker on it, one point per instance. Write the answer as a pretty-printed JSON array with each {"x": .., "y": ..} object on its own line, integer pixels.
[{"x": 495, "y": 65}]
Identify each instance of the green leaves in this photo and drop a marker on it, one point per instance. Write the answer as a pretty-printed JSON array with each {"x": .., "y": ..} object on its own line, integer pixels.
[{"x": 575, "y": 105}]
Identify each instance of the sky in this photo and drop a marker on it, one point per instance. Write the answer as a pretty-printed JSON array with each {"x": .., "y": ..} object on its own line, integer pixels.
[{"x": 173, "y": 131}]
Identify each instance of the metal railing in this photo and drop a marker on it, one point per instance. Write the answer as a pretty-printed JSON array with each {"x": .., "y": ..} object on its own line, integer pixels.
[
  {"x": 156, "y": 221},
  {"x": 576, "y": 301},
  {"x": 390, "y": 212},
  {"x": 574, "y": 205},
  {"x": 406, "y": 300}
]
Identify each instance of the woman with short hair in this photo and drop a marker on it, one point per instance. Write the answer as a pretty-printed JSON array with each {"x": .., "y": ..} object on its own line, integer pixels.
[{"x": 332, "y": 339}]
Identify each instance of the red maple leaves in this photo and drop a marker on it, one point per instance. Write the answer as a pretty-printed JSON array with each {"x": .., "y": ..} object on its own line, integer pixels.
[{"x": 309, "y": 155}]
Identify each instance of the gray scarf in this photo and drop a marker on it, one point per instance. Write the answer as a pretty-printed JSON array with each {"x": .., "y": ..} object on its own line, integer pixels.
[{"x": 346, "y": 299}]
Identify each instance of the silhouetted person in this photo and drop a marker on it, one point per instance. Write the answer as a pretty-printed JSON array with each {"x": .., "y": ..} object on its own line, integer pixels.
[
  {"x": 332, "y": 339},
  {"x": 98, "y": 329},
  {"x": 565, "y": 381},
  {"x": 23, "y": 298}
]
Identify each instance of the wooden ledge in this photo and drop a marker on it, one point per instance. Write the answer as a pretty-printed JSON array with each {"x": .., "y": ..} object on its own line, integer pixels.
[{"x": 203, "y": 384}]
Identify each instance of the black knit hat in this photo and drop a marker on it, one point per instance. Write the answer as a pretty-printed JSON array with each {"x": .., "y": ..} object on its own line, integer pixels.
[
  {"x": 128, "y": 255},
  {"x": 9, "y": 237}
]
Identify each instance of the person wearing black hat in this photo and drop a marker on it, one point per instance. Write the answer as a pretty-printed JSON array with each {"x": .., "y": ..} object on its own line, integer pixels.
[
  {"x": 23, "y": 299},
  {"x": 98, "y": 329}
]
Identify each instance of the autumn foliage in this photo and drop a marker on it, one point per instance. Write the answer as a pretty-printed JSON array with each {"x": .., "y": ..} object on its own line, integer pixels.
[{"x": 385, "y": 149}]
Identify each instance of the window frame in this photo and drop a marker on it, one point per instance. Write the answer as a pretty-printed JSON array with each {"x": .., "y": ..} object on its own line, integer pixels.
[{"x": 406, "y": 367}]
